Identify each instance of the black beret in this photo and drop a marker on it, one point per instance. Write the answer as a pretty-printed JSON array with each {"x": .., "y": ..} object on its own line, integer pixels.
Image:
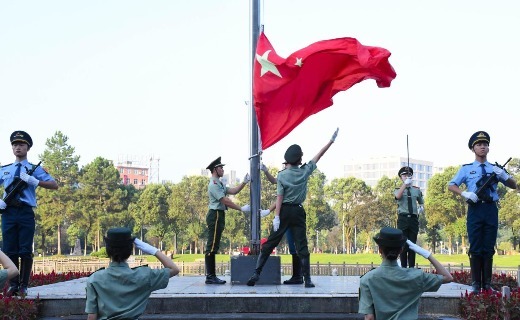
[
  {"x": 478, "y": 136},
  {"x": 390, "y": 237},
  {"x": 405, "y": 170},
  {"x": 293, "y": 154},
  {"x": 119, "y": 237},
  {"x": 21, "y": 136},
  {"x": 215, "y": 163}
]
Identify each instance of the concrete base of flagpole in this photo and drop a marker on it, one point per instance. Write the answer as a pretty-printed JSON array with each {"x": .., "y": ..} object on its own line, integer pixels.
[{"x": 242, "y": 268}]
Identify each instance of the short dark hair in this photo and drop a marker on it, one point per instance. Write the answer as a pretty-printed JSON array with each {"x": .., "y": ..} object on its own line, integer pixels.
[{"x": 119, "y": 253}]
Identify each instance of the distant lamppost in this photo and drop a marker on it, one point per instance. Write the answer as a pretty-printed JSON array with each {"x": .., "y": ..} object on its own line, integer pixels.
[
  {"x": 441, "y": 247},
  {"x": 457, "y": 243}
]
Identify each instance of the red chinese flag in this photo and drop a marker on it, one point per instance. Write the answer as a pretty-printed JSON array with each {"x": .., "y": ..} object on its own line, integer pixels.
[{"x": 287, "y": 91}]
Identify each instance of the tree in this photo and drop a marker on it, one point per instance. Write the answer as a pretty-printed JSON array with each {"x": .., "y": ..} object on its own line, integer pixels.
[
  {"x": 188, "y": 206},
  {"x": 443, "y": 208},
  {"x": 99, "y": 196},
  {"x": 346, "y": 194},
  {"x": 54, "y": 206}
]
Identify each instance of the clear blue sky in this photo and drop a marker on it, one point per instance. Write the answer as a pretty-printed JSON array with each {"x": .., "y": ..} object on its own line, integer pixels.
[{"x": 170, "y": 78}]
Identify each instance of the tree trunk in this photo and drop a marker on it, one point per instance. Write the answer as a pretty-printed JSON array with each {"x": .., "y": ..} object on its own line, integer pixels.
[{"x": 59, "y": 239}]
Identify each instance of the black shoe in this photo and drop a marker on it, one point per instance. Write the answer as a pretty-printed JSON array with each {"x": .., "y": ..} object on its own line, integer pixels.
[
  {"x": 475, "y": 287},
  {"x": 12, "y": 291},
  {"x": 23, "y": 291},
  {"x": 254, "y": 278},
  {"x": 294, "y": 280},
  {"x": 214, "y": 280},
  {"x": 309, "y": 284}
]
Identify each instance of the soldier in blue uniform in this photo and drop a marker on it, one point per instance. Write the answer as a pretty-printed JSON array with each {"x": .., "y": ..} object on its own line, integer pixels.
[
  {"x": 291, "y": 192},
  {"x": 391, "y": 292},
  {"x": 409, "y": 205},
  {"x": 482, "y": 217},
  {"x": 121, "y": 292},
  {"x": 18, "y": 222},
  {"x": 9, "y": 270},
  {"x": 216, "y": 217}
]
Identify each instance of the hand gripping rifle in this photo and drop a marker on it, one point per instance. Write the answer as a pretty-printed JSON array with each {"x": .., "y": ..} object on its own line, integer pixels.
[
  {"x": 19, "y": 185},
  {"x": 485, "y": 182}
]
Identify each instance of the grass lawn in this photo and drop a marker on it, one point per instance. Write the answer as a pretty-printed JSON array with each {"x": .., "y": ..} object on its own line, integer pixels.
[{"x": 511, "y": 261}]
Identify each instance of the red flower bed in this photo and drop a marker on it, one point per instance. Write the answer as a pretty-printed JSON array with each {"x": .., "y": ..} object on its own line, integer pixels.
[{"x": 20, "y": 308}]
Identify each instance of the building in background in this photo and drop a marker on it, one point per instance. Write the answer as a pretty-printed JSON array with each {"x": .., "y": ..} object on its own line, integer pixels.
[
  {"x": 371, "y": 170},
  {"x": 138, "y": 171}
]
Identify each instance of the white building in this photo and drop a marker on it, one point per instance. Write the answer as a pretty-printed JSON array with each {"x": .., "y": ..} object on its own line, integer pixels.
[{"x": 371, "y": 170}]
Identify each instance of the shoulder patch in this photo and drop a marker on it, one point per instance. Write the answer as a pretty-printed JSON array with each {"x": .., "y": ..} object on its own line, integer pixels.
[
  {"x": 103, "y": 268},
  {"x": 367, "y": 272},
  {"x": 144, "y": 265},
  {"x": 6, "y": 165}
]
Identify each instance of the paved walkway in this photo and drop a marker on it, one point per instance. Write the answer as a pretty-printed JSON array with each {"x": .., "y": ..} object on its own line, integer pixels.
[{"x": 337, "y": 294}]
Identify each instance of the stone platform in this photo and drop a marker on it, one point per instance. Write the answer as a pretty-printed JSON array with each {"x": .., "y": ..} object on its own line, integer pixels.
[{"x": 188, "y": 297}]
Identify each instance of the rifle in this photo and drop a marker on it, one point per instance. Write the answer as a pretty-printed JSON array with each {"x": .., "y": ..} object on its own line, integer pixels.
[
  {"x": 485, "y": 182},
  {"x": 19, "y": 186}
]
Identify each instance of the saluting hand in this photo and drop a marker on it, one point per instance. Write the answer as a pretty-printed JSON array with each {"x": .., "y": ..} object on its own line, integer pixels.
[
  {"x": 145, "y": 247},
  {"x": 420, "y": 251}
]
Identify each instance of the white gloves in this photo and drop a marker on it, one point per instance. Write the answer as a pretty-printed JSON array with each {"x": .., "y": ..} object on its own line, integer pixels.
[
  {"x": 145, "y": 247},
  {"x": 420, "y": 251},
  {"x": 263, "y": 167},
  {"x": 420, "y": 209},
  {"x": 501, "y": 173},
  {"x": 264, "y": 213},
  {"x": 276, "y": 223},
  {"x": 333, "y": 138},
  {"x": 247, "y": 178},
  {"x": 29, "y": 179},
  {"x": 469, "y": 196},
  {"x": 246, "y": 208},
  {"x": 3, "y": 205},
  {"x": 408, "y": 181}
]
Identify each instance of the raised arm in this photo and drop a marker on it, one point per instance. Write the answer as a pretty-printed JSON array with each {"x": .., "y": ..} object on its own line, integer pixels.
[{"x": 318, "y": 156}]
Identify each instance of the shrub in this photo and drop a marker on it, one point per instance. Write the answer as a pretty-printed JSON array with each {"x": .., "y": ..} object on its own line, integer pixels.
[{"x": 102, "y": 253}]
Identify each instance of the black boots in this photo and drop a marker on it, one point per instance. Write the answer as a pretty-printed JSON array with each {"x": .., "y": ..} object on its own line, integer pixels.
[
  {"x": 306, "y": 266},
  {"x": 211, "y": 277},
  {"x": 14, "y": 283},
  {"x": 260, "y": 262},
  {"x": 476, "y": 273},
  {"x": 487, "y": 273},
  {"x": 296, "y": 271},
  {"x": 25, "y": 273}
]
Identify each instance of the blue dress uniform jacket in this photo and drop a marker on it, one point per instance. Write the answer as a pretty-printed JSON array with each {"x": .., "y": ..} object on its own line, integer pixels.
[
  {"x": 391, "y": 292},
  {"x": 470, "y": 174},
  {"x": 120, "y": 292},
  {"x": 28, "y": 196}
]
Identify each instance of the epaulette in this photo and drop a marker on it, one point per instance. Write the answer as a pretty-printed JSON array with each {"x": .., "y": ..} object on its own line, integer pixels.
[
  {"x": 7, "y": 165},
  {"x": 103, "y": 268},
  {"x": 144, "y": 265},
  {"x": 416, "y": 187},
  {"x": 367, "y": 272},
  {"x": 467, "y": 164},
  {"x": 303, "y": 165}
]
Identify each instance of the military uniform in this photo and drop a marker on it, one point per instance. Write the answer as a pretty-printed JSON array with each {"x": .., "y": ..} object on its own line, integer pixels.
[
  {"x": 408, "y": 217},
  {"x": 482, "y": 217},
  {"x": 216, "y": 221},
  {"x": 18, "y": 223},
  {"x": 292, "y": 185},
  {"x": 391, "y": 292},
  {"x": 3, "y": 278},
  {"x": 119, "y": 292}
]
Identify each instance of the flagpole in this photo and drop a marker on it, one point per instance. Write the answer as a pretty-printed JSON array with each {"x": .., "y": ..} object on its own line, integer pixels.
[{"x": 255, "y": 151}]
